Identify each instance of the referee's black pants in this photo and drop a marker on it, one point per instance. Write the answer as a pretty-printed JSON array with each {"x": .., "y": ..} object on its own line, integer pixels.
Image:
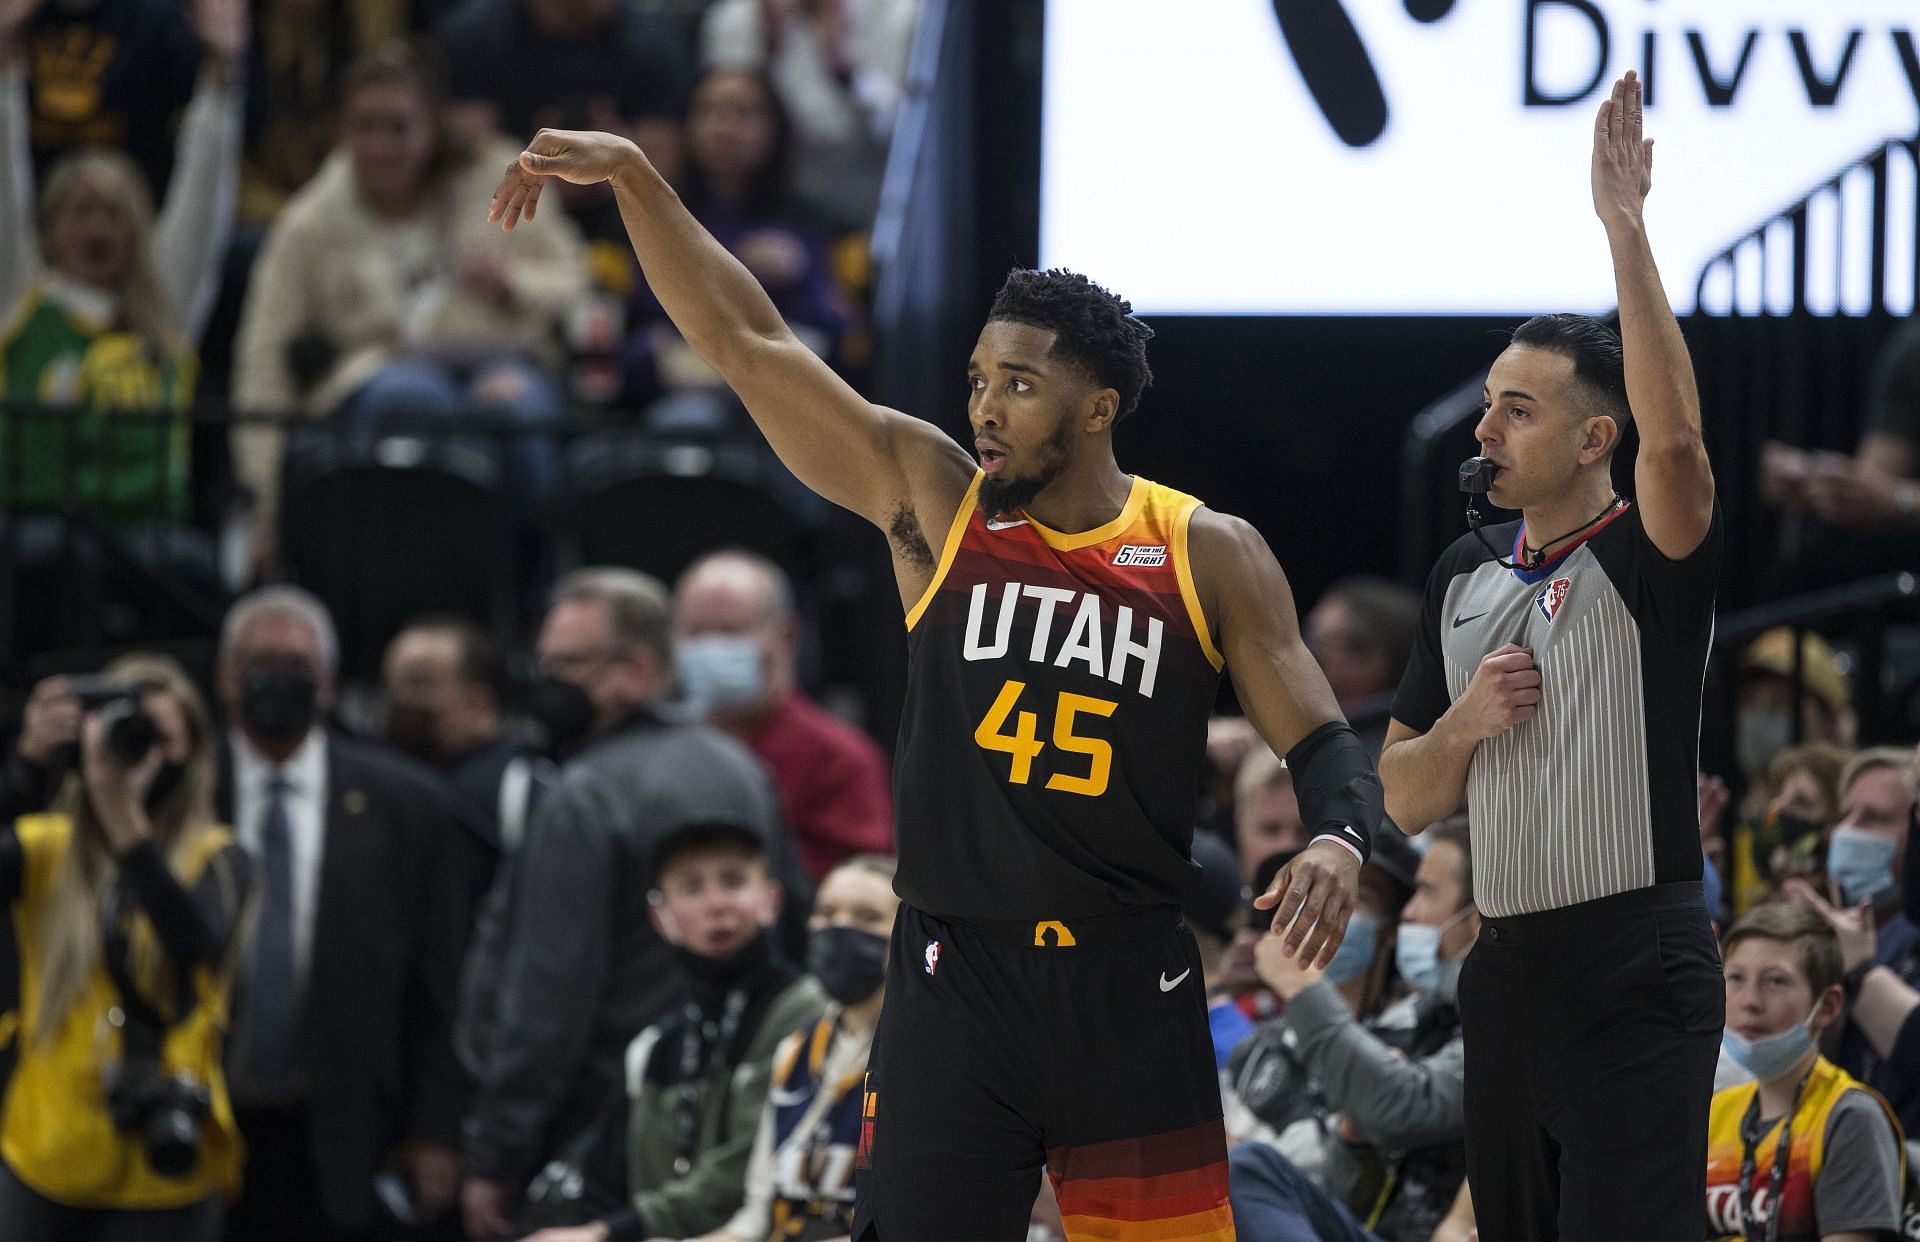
[{"x": 1592, "y": 1032}]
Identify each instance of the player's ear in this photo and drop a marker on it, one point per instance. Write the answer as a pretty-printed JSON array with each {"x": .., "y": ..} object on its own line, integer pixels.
[{"x": 1103, "y": 409}]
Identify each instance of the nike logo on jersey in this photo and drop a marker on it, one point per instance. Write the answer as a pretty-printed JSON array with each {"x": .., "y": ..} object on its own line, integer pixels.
[
  {"x": 1003, "y": 524},
  {"x": 1168, "y": 985},
  {"x": 783, "y": 1098},
  {"x": 1087, "y": 642},
  {"x": 1460, "y": 621}
]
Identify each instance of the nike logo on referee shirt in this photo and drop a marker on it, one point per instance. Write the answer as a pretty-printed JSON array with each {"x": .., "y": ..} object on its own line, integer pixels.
[
  {"x": 1168, "y": 985},
  {"x": 1460, "y": 621}
]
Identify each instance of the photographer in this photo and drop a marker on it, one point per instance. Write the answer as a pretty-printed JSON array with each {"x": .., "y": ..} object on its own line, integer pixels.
[{"x": 127, "y": 899}]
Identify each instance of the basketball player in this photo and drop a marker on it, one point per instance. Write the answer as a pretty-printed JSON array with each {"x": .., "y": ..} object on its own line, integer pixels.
[
  {"x": 1558, "y": 694},
  {"x": 1067, "y": 628}
]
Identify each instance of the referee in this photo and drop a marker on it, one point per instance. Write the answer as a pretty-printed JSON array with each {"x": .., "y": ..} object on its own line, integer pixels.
[{"x": 1555, "y": 688}]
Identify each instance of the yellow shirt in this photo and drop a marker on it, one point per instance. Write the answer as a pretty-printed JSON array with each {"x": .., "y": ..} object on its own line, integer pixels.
[{"x": 55, "y": 1131}]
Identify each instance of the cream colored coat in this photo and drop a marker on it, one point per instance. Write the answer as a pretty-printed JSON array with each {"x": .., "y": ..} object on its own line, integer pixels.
[{"x": 318, "y": 273}]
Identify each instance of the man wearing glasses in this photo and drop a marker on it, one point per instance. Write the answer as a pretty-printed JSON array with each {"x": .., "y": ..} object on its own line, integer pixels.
[{"x": 577, "y": 969}]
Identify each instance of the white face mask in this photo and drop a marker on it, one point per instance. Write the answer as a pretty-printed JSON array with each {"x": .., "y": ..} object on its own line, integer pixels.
[{"x": 721, "y": 672}]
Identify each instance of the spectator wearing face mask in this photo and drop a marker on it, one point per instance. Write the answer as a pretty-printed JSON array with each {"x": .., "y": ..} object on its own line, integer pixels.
[
  {"x": 1269, "y": 1095},
  {"x": 342, "y": 1060},
  {"x": 1804, "y": 1152},
  {"x": 1865, "y": 863},
  {"x": 1763, "y": 712},
  {"x": 442, "y": 678},
  {"x": 1396, "y": 1085},
  {"x": 1801, "y": 801},
  {"x": 668, "y": 1156},
  {"x": 800, "y": 1177},
  {"x": 575, "y": 967},
  {"x": 735, "y": 636}
]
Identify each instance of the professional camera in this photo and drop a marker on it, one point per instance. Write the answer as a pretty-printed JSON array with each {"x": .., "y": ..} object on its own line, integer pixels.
[
  {"x": 131, "y": 733},
  {"x": 165, "y": 1110}
]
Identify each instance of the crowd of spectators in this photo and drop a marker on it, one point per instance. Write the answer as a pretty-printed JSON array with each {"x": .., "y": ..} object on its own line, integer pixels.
[
  {"x": 321, "y": 256},
  {"x": 597, "y": 953}
]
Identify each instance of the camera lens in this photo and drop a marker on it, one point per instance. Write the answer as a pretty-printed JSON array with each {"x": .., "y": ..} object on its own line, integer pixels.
[
  {"x": 130, "y": 732},
  {"x": 173, "y": 1140}
]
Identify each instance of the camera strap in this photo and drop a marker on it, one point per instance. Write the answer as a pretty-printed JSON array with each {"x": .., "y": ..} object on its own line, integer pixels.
[{"x": 145, "y": 1023}]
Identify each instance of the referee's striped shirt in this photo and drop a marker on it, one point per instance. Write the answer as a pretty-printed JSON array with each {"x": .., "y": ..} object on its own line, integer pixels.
[{"x": 1596, "y": 794}]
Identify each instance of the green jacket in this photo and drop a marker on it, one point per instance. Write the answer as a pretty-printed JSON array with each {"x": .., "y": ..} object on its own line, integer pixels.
[{"x": 679, "y": 1205}]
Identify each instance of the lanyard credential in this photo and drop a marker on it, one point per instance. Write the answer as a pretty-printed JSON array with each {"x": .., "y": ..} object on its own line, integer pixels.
[{"x": 1777, "y": 1179}]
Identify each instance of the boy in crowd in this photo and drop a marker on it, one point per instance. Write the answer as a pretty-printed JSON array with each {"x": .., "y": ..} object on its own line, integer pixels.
[
  {"x": 669, "y": 1157},
  {"x": 1804, "y": 1140}
]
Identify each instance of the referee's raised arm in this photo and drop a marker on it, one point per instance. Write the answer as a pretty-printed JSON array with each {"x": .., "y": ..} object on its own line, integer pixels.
[{"x": 1673, "y": 481}]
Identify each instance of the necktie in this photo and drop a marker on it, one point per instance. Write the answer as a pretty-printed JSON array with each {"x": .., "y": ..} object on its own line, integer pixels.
[{"x": 272, "y": 1012}]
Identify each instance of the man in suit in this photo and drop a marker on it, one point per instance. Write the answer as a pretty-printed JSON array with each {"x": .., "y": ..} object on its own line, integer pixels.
[{"x": 343, "y": 1070}]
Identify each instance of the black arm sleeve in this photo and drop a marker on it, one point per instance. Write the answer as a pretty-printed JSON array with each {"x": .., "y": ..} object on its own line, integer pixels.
[
  {"x": 1339, "y": 790},
  {"x": 13, "y": 864},
  {"x": 26, "y": 787},
  {"x": 194, "y": 927}
]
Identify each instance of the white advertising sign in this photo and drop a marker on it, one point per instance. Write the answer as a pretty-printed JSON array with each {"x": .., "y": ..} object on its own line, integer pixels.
[{"x": 1431, "y": 156}]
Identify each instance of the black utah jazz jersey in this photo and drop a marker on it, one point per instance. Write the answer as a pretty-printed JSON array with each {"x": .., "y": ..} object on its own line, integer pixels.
[{"x": 1055, "y": 724}]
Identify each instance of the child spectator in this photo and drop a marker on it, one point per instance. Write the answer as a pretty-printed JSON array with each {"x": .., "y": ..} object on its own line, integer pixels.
[
  {"x": 669, "y": 1158},
  {"x": 800, "y": 1180},
  {"x": 1804, "y": 1141}
]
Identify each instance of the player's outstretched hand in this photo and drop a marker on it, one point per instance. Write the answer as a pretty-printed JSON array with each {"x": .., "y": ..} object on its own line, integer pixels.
[
  {"x": 1622, "y": 155},
  {"x": 1312, "y": 898},
  {"x": 580, "y": 156}
]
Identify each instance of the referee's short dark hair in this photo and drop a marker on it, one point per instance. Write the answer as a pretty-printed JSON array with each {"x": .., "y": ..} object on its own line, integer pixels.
[
  {"x": 1813, "y": 941},
  {"x": 1092, "y": 328},
  {"x": 1599, "y": 365}
]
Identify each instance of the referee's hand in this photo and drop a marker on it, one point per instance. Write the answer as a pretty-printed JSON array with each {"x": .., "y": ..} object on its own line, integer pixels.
[
  {"x": 1312, "y": 898},
  {"x": 1504, "y": 692}
]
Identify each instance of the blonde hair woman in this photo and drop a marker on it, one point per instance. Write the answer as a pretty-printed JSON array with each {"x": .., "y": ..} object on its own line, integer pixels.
[
  {"x": 127, "y": 900},
  {"x": 102, "y": 304}
]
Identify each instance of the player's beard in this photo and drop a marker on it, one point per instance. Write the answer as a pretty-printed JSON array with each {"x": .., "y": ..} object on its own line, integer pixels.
[{"x": 1000, "y": 496}]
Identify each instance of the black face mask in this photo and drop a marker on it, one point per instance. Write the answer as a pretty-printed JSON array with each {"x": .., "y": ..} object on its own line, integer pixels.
[
  {"x": 566, "y": 713},
  {"x": 713, "y": 977},
  {"x": 849, "y": 963},
  {"x": 278, "y": 701},
  {"x": 410, "y": 730},
  {"x": 165, "y": 782}
]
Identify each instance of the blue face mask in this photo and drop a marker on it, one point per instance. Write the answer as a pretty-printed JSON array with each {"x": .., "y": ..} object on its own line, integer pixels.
[
  {"x": 1356, "y": 952},
  {"x": 1861, "y": 865},
  {"x": 1772, "y": 1056},
  {"x": 1416, "y": 951},
  {"x": 720, "y": 672}
]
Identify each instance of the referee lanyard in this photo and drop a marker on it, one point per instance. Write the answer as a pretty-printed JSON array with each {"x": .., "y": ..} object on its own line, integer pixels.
[{"x": 1777, "y": 1179}]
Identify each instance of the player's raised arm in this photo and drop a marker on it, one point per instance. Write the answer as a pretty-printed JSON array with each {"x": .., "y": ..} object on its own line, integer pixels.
[
  {"x": 1286, "y": 696},
  {"x": 861, "y": 456},
  {"x": 1672, "y": 479}
]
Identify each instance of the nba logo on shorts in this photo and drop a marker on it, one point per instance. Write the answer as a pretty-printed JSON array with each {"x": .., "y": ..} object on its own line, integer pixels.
[
  {"x": 1551, "y": 597},
  {"x": 933, "y": 956}
]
